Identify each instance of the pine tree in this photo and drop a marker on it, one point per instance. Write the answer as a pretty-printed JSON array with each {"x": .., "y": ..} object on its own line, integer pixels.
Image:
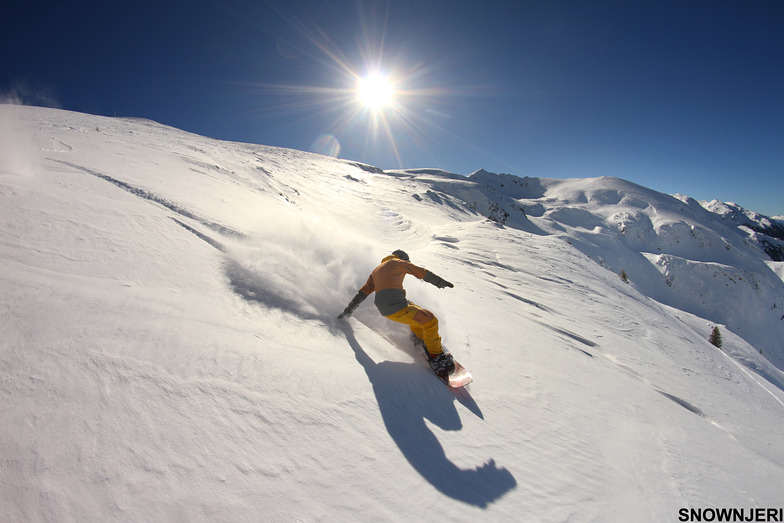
[{"x": 715, "y": 337}]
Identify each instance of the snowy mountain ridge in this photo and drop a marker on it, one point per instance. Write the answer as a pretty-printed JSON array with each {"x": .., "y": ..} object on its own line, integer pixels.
[
  {"x": 672, "y": 248},
  {"x": 171, "y": 349}
]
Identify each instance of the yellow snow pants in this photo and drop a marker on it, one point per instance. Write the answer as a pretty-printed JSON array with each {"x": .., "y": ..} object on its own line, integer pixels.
[{"x": 423, "y": 323}]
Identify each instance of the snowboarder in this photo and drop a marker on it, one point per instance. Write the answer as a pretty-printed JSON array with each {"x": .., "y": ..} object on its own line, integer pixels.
[{"x": 386, "y": 281}]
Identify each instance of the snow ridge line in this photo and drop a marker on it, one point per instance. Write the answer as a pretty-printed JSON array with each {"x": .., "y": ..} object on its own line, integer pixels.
[
  {"x": 147, "y": 195},
  {"x": 751, "y": 376}
]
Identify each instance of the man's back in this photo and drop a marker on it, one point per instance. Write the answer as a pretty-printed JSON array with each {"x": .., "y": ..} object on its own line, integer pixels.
[{"x": 386, "y": 281}]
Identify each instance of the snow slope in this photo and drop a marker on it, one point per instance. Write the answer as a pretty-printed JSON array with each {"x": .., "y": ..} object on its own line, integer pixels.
[{"x": 170, "y": 349}]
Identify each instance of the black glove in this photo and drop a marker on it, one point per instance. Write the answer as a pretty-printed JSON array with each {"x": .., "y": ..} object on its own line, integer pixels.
[
  {"x": 438, "y": 281},
  {"x": 359, "y": 298}
]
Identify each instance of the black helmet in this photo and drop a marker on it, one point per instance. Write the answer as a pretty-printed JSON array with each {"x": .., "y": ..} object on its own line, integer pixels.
[{"x": 401, "y": 254}]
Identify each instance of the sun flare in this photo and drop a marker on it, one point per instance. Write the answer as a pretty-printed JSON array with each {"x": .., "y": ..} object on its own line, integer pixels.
[
  {"x": 365, "y": 95},
  {"x": 375, "y": 91}
]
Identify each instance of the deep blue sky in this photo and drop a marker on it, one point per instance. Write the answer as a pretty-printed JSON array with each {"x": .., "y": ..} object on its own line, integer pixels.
[{"x": 677, "y": 95}]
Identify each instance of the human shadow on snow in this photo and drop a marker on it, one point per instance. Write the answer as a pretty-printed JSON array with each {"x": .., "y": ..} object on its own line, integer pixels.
[{"x": 405, "y": 402}]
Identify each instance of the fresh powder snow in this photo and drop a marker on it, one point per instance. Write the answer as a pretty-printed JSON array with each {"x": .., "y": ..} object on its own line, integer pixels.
[{"x": 170, "y": 349}]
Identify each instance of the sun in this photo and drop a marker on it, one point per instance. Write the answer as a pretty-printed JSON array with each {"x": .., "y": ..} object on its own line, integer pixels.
[
  {"x": 364, "y": 89},
  {"x": 375, "y": 92}
]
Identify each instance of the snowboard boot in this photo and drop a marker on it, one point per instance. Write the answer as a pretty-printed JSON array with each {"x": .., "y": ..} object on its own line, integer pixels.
[{"x": 442, "y": 364}]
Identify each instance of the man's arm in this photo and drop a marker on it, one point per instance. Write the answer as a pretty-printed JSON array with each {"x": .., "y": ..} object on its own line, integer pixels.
[
  {"x": 426, "y": 275},
  {"x": 438, "y": 281},
  {"x": 363, "y": 293},
  {"x": 359, "y": 298}
]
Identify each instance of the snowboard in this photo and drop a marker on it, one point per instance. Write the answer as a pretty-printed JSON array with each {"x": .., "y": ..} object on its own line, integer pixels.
[{"x": 460, "y": 377}]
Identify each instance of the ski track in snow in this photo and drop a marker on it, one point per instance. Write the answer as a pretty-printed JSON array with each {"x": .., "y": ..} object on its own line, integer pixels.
[
  {"x": 171, "y": 349},
  {"x": 147, "y": 195}
]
